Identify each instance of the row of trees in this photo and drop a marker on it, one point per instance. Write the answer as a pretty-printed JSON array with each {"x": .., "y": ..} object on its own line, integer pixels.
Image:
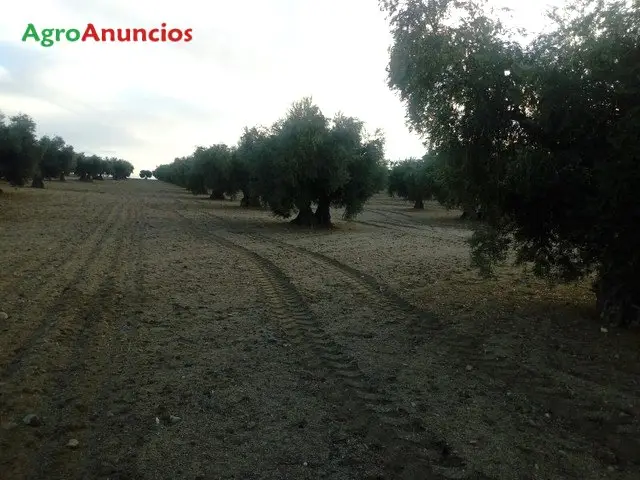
[
  {"x": 427, "y": 178},
  {"x": 541, "y": 138},
  {"x": 24, "y": 156},
  {"x": 303, "y": 161}
]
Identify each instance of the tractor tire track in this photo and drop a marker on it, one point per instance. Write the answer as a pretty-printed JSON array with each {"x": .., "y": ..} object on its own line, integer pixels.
[
  {"x": 15, "y": 344},
  {"x": 407, "y": 449},
  {"x": 107, "y": 426},
  {"x": 387, "y": 215},
  {"x": 394, "y": 224},
  {"x": 461, "y": 349},
  {"x": 95, "y": 360},
  {"x": 41, "y": 368},
  {"x": 417, "y": 321},
  {"x": 49, "y": 266},
  {"x": 89, "y": 361}
]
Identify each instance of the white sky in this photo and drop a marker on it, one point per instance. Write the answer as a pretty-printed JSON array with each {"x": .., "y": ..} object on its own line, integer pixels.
[{"x": 248, "y": 61}]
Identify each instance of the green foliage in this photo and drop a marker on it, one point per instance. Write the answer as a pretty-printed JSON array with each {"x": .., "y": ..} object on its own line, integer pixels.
[
  {"x": 245, "y": 163},
  {"x": 146, "y": 174},
  {"x": 310, "y": 159},
  {"x": 94, "y": 168},
  {"x": 542, "y": 138},
  {"x": 414, "y": 179},
  {"x": 19, "y": 149},
  {"x": 119, "y": 169},
  {"x": 57, "y": 157},
  {"x": 23, "y": 156},
  {"x": 304, "y": 159},
  {"x": 211, "y": 171}
]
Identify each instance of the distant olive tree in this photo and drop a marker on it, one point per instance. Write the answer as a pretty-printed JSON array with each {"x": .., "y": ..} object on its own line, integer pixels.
[
  {"x": 20, "y": 152},
  {"x": 309, "y": 159},
  {"x": 414, "y": 180},
  {"x": 303, "y": 161}
]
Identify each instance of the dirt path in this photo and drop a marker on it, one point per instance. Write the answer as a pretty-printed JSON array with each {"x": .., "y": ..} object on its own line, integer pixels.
[{"x": 175, "y": 337}]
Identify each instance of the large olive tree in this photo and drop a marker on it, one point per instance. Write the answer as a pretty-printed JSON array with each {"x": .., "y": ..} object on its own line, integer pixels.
[{"x": 542, "y": 138}]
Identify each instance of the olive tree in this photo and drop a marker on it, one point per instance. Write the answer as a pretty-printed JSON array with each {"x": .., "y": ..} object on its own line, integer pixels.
[{"x": 543, "y": 138}]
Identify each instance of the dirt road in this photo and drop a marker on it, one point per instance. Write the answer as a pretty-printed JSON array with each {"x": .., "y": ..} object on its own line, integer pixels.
[{"x": 157, "y": 335}]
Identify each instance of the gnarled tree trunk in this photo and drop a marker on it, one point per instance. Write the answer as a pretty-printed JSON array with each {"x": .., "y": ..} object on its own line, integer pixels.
[
  {"x": 471, "y": 214},
  {"x": 62, "y": 179},
  {"x": 419, "y": 204},
  {"x": 216, "y": 195},
  {"x": 305, "y": 216},
  {"x": 323, "y": 212},
  {"x": 249, "y": 200},
  {"x": 618, "y": 296},
  {"x": 37, "y": 182}
]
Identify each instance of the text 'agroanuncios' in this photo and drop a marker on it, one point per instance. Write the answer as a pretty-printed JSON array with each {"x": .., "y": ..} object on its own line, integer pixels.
[{"x": 47, "y": 37}]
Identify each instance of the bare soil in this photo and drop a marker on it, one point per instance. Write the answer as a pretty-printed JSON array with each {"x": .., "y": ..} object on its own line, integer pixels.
[{"x": 177, "y": 337}]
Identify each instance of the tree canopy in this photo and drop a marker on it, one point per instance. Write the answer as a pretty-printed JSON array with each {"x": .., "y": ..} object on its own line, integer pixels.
[
  {"x": 24, "y": 156},
  {"x": 303, "y": 160},
  {"x": 414, "y": 179},
  {"x": 541, "y": 137}
]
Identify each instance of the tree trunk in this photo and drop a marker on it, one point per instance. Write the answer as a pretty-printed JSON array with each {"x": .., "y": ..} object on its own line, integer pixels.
[
  {"x": 62, "y": 179},
  {"x": 419, "y": 204},
  {"x": 217, "y": 195},
  {"x": 249, "y": 201},
  {"x": 617, "y": 297},
  {"x": 305, "y": 216},
  {"x": 37, "y": 182},
  {"x": 323, "y": 212},
  {"x": 471, "y": 214}
]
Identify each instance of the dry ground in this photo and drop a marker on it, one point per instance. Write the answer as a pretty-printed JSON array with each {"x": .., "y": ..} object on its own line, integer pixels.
[{"x": 368, "y": 351}]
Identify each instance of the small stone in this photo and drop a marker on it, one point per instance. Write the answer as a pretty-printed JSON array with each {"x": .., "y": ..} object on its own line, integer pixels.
[
  {"x": 73, "y": 443},
  {"x": 305, "y": 464},
  {"x": 251, "y": 425},
  {"x": 4, "y": 315},
  {"x": 473, "y": 442},
  {"x": 32, "y": 420},
  {"x": 174, "y": 419},
  {"x": 604, "y": 330},
  {"x": 469, "y": 368}
]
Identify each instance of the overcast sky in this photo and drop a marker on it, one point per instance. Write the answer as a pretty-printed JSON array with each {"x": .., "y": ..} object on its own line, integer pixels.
[{"x": 248, "y": 61}]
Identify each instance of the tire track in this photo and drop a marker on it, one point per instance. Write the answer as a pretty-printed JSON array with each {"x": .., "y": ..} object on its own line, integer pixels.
[
  {"x": 407, "y": 448},
  {"x": 461, "y": 349},
  {"x": 53, "y": 262},
  {"x": 418, "y": 322},
  {"x": 41, "y": 369},
  {"x": 20, "y": 342},
  {"x": 386, "y": 214},
  {"x": 93, "y": 360},
  {"x": 393, "y": 224},
  {"x": 107, "y": 427}
]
